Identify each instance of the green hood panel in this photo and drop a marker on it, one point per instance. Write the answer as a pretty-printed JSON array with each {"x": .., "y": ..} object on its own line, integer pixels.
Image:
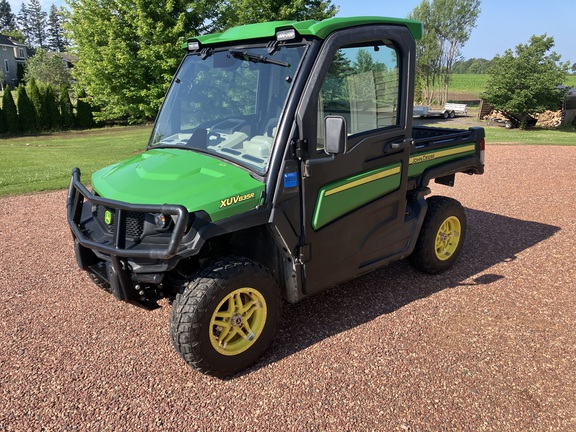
[{"x": 175, "y": 176}]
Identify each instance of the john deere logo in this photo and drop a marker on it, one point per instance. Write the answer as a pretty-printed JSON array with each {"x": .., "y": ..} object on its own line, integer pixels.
[{"x": 108, "y": 217}]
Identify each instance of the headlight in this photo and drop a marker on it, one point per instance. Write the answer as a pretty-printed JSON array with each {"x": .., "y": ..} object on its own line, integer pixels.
[{"x": 160, "y": 221}]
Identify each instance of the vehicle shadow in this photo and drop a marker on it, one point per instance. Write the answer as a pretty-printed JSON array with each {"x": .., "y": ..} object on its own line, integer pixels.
[{"x": 491, "y": 239}]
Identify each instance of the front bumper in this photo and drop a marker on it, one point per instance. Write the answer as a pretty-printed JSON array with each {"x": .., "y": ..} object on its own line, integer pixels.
[
  {"x": 105, "y": 249},
  {"x": 120, "y": 246}
]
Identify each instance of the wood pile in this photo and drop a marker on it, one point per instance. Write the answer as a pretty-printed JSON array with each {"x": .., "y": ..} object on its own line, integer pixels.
[
  {"x": 550, "y": 119},
  {"x": 547, "y": 119},
  {"x": 495, "y": 115}
]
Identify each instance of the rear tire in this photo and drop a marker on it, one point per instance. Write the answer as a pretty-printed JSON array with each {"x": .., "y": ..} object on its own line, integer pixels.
[
  {"x": 441, "y": 237},
  {"x": 227, "y": 317}
]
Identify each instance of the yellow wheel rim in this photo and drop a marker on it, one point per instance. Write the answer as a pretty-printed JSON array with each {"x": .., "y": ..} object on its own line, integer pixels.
[
  {"x": 238, "y": 321},
  {"x": 448, "y": 238}
]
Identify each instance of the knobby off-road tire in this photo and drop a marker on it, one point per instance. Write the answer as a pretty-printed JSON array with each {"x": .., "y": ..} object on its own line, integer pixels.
[
  {"x": 441, "y": 237},
  {"x": 226, "y": 318}
]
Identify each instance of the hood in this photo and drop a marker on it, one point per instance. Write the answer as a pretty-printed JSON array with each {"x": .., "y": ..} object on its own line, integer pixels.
[{"x": 175, "y": 176}]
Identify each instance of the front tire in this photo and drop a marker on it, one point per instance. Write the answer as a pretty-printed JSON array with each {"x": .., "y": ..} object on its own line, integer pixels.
[
  {"x": 227, "y": 317},
  {"x": 441, "y": 237}
]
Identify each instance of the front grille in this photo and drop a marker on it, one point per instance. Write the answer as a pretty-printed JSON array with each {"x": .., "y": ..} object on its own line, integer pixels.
[{"x": 134, "y": 221}]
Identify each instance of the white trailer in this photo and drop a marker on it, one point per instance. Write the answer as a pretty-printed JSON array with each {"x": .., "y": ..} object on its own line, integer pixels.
[{"x": 450, "y": 110}]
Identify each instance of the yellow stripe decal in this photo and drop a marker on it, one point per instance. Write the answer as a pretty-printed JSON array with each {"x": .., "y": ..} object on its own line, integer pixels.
[
  {"x": 431, "y": 156},
  {"x": 362, "y": 181}
]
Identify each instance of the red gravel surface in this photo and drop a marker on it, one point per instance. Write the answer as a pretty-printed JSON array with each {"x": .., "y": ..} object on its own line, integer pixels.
[{"x": 489, "y": 345}]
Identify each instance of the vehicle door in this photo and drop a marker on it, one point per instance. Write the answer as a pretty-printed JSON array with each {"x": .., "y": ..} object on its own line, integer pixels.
[{"x": 354, "y": 202}]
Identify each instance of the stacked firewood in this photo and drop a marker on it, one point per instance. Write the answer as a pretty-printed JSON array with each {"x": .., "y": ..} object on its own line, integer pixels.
[
  {"x": 547, "y": 119},
  {"x": 550, "y": 119}
]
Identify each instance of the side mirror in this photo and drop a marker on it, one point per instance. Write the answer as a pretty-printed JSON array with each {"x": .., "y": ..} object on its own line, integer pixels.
[{"x": 335, "y": 134}]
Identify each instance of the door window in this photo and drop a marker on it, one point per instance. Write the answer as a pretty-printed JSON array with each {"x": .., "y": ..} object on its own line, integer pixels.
[{"x": 362, "y": 85}]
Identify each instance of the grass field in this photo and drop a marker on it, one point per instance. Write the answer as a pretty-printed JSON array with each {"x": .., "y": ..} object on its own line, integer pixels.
[
  {"x": 563, "y": 137},
  {"x": 474, "y": 84},
  {"x": 45, "y": 162}
]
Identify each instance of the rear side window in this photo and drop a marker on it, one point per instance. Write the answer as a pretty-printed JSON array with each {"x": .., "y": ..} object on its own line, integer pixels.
[{"x": 362, "y": 86}]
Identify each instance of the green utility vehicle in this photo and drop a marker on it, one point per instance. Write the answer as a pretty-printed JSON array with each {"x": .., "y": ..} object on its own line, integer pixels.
[{"x": 282, "y": 162}]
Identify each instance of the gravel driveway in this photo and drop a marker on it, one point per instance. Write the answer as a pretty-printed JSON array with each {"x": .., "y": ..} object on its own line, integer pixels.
[{"x": 489, "y": 345}]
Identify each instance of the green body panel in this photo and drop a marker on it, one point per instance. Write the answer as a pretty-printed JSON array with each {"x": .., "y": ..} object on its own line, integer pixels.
[
  {"x": 346, "y": 195},
  {"x": 419, "y": 162},
  {"x": 319, "y": 29},
  {"x": 341, "y": 197},
  {"x": 176, "y": 176}
]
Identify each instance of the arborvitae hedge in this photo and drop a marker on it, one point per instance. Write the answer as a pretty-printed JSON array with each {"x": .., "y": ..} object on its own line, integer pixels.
[
  {"x": 26, "y": 112},
  {"x": 10, "y": 111},
  {"x": 54, "y": 117},
  {"x": 2, "y": 122},
  {"x": 42, "y": 118},
  {"x": 66, "y": 108}
]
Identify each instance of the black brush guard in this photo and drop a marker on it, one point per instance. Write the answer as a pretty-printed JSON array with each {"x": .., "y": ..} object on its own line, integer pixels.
[{"x": 117, "y": 273}]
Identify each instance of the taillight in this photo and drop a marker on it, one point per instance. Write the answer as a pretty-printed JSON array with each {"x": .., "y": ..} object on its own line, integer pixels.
[{"x": 482, "y": 150}]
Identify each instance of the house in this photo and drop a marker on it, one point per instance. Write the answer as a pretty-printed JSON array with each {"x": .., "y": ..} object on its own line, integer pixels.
[{"x": 12, "y": 53}]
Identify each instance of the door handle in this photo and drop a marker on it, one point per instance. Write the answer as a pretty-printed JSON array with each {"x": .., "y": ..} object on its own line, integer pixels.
[{"x": 405, "y": 143}]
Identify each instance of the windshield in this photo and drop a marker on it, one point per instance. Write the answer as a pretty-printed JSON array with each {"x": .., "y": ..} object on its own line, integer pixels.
[{"x": 228, "y": 104}]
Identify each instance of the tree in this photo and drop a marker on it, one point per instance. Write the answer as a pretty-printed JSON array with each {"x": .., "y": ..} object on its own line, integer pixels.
[
  {"x": 48, "y": 69},
  {"x": 33, "y": 23},
  {"x": 237, "y": 12},
  {"x": 471, "y": 66},
  {"x": 7, "y": 18},
  {"x": 10, "y": 111},
  {"x": 27, "y": 117},
  {"x": 2, "y": 122},
  {"x": 56, "y": 39},
  {"x": 448, "y": 25},
  {"x": 84, "y": 118},
  {"x": 37, "y": 99},
  {"x": 54, "y": 117},
  {"x": 129, "y": 49},
  {"x": 15, "y": 34},
  {"x": 66, "y": 110},
  {"x": 526, "y": 82}
]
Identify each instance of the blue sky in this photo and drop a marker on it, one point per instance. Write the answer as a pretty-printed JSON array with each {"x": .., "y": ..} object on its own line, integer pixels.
[{"x": 502, "y": 24}]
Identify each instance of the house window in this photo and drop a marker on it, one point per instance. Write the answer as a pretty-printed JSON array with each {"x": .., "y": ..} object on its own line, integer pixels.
[
  {"x": 6, "y": 67},
  {"x": 21, "y": 52},
  {"x": 3, "y": 48}
]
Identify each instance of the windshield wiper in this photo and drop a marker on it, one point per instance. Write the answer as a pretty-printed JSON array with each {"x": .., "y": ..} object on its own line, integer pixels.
[{"x": 256, "y": 58}]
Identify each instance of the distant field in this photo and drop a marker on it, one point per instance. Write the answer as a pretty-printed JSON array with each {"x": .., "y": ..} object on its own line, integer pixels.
[{"x": 474, "y": 84}]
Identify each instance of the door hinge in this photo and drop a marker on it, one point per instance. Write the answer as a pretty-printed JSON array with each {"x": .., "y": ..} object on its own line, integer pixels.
[{"x": 299, "y": 148}]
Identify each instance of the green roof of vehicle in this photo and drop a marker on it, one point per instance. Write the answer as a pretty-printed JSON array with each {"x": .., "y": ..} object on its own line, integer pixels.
[{"x": 320, "y": 29}]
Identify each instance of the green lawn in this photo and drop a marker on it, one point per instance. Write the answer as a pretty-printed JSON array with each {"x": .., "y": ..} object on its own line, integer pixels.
[
  {"x": 564, "y": 137},
  {"x": 45, "y": 162}
]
